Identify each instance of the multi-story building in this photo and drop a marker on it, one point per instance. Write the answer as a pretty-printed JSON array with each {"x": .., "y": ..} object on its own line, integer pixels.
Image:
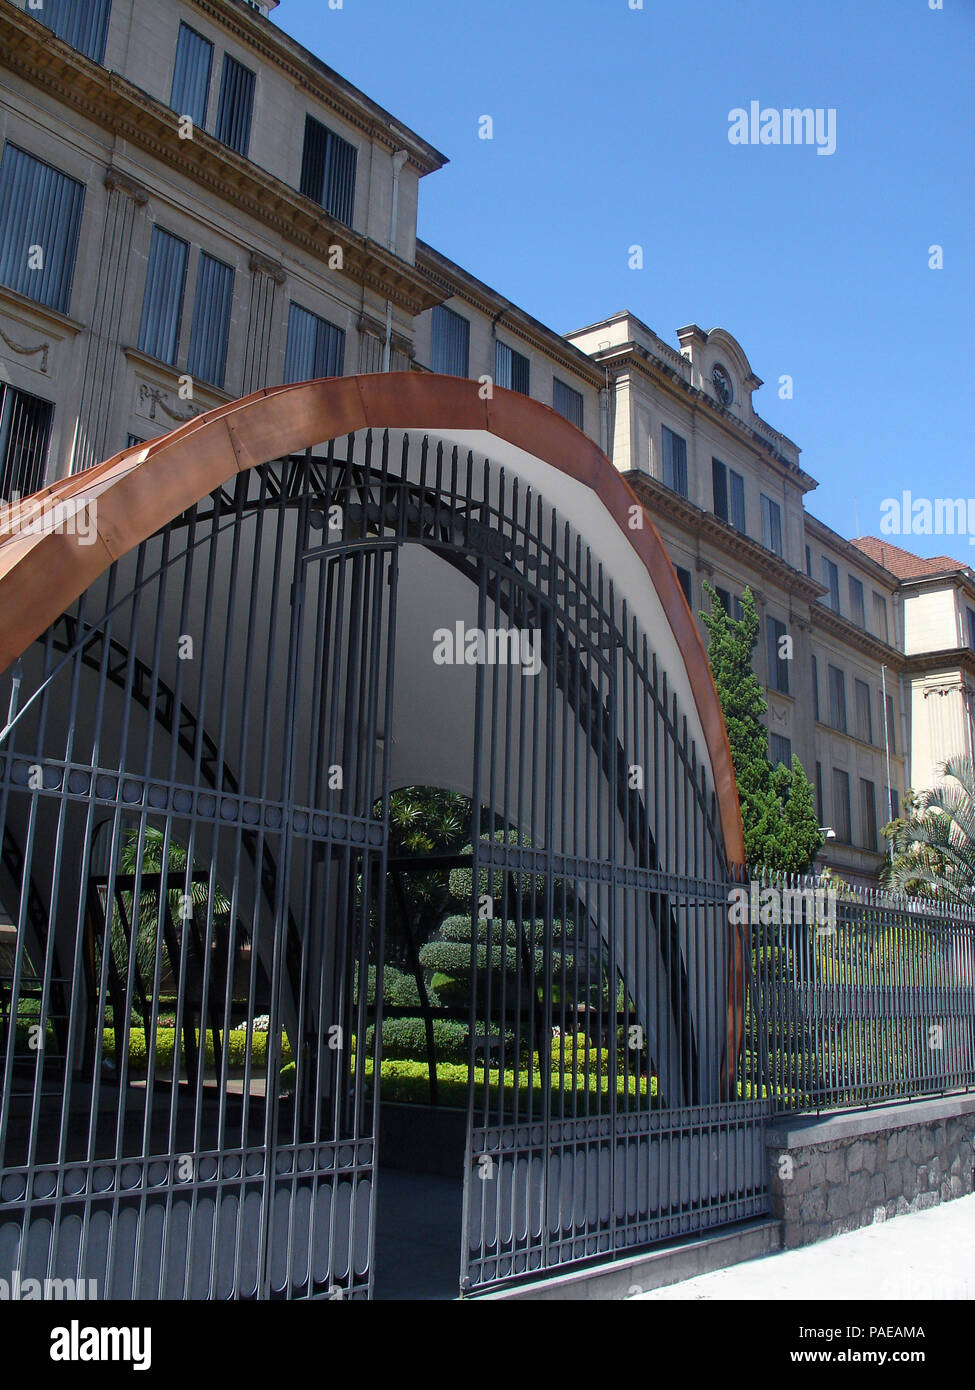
[{"x": 193, "y": 206}]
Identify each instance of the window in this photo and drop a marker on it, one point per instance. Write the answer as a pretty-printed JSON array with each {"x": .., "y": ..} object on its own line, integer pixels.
[
  {"x": 831, "y": 578},
  {"x": 81, "y": 23},
  {"x": 133, "y": 440},
  {"x": 880, "y": 617},
  {"x": 567, "y": 402},
  {"x": 162, "y": 306},
  {"x": 771, "y": 525},
  {"x": 40, "y": 221},
  {"x": 328, "y": 165},
  {"x": 778, "y": 667},
  {"x": 842, "y": 818},
  {"x": 780, "y": 750},
  {"x": 316, "y": 348},
  {"x": 675, "y": 461},
  {"x": 819, "y": 794},
  {"x": 891, "y": 730},
  {"x": 894, "y": 800},
  {"x": 724, "y": 598},
  {"x": 236, "y": 105},
  {"x": 511, "y": 369},
  {"x": 191, "y": 75},
  {"x": 729, "y": 494},
  {"x": 815, "y": 686},
  {"x": 450, "y": 342},
  {"x": 837, "y": 698},
  {"x": 211, "y": 321},
  {"x": 25, "y": 432},
  {"x": 861, "y": 699},
  {"x": 857, "y": 611},
  {"x": 684, "y": 579},
  {"x": 809, "y": 562},
  {"x": 971, "y": 627},
  {"x": 868, "y": 800}
]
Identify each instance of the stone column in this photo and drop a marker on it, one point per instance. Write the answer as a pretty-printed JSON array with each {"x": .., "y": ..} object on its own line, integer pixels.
[
  {"x": 125, "y": 203},
  {"x": 266, "y": 277}
]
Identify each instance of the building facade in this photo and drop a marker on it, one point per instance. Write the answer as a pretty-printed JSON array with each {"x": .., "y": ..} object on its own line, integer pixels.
[{"x": 194, "y": 207}]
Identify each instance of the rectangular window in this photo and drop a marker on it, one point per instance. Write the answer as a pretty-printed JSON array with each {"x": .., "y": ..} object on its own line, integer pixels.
[
  {"x": 40, "y": 222},
  {"x": 133, "y": 440},
  {"x": 771, "y": 525},
  {"x": 236, "y": 106},
  {"x": 893, "y": 797},
  {"x": 842, "y": 817},
  {"x": 450, "y": 342},
  {"x": 779, "y": 750},
  {"x": 891, "y": 729},
  {"x": 819, "y": 794},
  {"x": 729, "y": 494},
  {"x": 675, "y": 461},
  {"x": 778, "y": 668},
  {"x": 815, "y": 686},
  {"x": 724, "y": 598},
  {"x": 210, "y": 333},
  {"x": 837, "y": 698},
  {"x": 25, "y": 432},
  {"x": 81, "y": 23},
  {"x": 971, "y": 627},
  {"x": 857, "y": 610},
  {"x": 191, "y": 75},
  {"x": 868, "y": 801},
  {"x": 736, "y": 491},
  {"x": 831, "y": 578},
  {"x": 511, "y": 369},
  {"x": 162, "y": 306},
  {"x": 880, "y": 617},
  {"x": 684, "y": 578},
  {"x": 719, "y": 482},
  {"x": 567, "y": 402},
  {"x": 809, "y": 562},
  {"x": 864, "y": 724},
  {"x": 737, "y": 612},
  {"x": 316, "y": 348},
  {"x": 328, "y": 165}
]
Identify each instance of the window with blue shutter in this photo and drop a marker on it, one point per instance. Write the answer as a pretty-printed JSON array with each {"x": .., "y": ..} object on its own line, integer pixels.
[
  {"x": 778, "y": 666},
  {"x": 316, "y": 348},
  {"x": 771, "y": 525},
  {"x": 81, "y": 23},
  {"x": 162, "y": 306},
  {"x": 210, "y": 332},
  {"x": 450, "y": 342},
  {"x": 567, "y": 402},
  {"x": 328, "y": 165},
  {"x": 736, "y": 488},
  {"x": 191, "y": 75},
  {"x": 236, "y": 107},
  {"x": 779, "y": 750},
  {"x": 25, "y": 432},
  {"x": 675, "y": 461},
  {"x": 511, "y": 369},
  {"x": 40, "y": 222}
]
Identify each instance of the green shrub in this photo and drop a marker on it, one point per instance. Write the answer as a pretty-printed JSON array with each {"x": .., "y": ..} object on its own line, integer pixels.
[
  {"x": 405, "y": 1039},
  {"x": 399, "y": 988},
  {"x": 462, "y": 880},
  {"x": 165, "y": 1042}
]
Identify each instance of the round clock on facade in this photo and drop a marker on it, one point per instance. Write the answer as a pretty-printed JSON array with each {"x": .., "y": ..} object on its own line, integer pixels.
[{"x": 722, "y": 384}]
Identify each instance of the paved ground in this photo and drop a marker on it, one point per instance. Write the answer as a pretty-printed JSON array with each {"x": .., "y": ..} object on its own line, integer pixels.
[
  {"x": 924, "y": 1255},
  {"x": 418, "y": 1225}
]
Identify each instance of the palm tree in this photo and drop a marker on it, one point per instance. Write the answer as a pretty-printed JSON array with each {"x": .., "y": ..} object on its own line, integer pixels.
[{"x": 934, "y": 841}]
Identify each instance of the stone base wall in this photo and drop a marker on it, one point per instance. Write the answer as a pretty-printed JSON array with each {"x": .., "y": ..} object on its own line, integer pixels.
[{"x": 834, "y": 1174}]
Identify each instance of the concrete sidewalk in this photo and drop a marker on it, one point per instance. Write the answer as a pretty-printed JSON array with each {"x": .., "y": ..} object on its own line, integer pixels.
[{"x": 923, "y": 1255}]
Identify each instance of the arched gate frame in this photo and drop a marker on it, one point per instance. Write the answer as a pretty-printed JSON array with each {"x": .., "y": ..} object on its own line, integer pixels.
[{"x": 207, "y": 716}]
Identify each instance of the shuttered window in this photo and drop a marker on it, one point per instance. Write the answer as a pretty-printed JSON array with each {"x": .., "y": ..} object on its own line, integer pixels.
[
  {"x": 25, "y": 432},
  {"x": 191, "y": 75},
  {"x": 162, "y": 306},
  {"x": 868, "y": 800},
  {"x": 778, "y": 667},
  {"x": 236, "y": 105},
  {"x": 779, "y": 750},
  {"x": 316, "y": 348},
  {"x": 210, "y": 331},
  {"x": 857, "y": 609},
  {"x": 837, "y": 698},
  {"x": 328, "y": 165},
  {"x": 675, "y": 461},
  {"x": 842, "y": 818},
  {"x": 81, "y": 23},
  {"x": 40, "y": 221},
  {"x": 736, "y": 487},
  {"x": 771, "y": 525},
  {"x": 567, "y": 402},
  {"x": 861, "y": 696},
  {"x": 450, "y": 342},
  {"x": 511, "y": 369}
]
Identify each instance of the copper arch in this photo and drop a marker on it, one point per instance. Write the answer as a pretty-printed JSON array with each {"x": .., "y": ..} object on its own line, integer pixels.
[{"x": 138, "y": 491}]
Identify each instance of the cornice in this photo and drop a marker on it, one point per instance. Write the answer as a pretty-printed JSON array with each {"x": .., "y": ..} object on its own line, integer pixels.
[
  {"x": 704, "y": 524},
  {"x": 851, "y": 553},
  {"x": 28, "y": 311},
  {"x": 946, "y": 660},
  {"x": 112, "y": 102},
  {"x": 854, "y": 636}
]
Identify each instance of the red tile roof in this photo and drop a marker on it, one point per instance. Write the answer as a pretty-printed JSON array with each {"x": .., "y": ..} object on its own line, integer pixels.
[{"x": 902, "y": 562}]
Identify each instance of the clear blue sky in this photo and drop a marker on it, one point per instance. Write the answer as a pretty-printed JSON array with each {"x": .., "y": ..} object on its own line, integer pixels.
[{"x": 611, "y": 128}]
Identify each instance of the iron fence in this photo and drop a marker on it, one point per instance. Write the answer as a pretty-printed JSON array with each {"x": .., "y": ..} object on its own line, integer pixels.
[{"x": 858, "y": 996}]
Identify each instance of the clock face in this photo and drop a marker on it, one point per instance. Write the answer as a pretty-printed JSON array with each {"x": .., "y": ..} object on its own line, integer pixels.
[{"x": 722, "y": 384}]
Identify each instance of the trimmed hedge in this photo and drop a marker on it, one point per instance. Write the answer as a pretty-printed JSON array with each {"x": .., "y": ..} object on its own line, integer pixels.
[{"x": 165, "y": 1041}]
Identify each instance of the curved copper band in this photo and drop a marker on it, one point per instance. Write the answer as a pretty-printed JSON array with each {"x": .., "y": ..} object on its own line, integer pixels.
[{"x": 142, "y": 489}]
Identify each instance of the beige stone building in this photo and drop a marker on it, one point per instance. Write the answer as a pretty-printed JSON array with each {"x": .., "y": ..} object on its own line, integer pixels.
[{"x": 195, "y": 206}]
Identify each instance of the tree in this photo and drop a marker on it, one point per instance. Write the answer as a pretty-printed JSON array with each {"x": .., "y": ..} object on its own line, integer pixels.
[
  {"x": 777, "y": 805},
  {"x": 934, "y": 840}
]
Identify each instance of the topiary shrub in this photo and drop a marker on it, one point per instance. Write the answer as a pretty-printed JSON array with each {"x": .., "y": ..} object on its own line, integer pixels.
[{"x": 502, "y": 881}]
